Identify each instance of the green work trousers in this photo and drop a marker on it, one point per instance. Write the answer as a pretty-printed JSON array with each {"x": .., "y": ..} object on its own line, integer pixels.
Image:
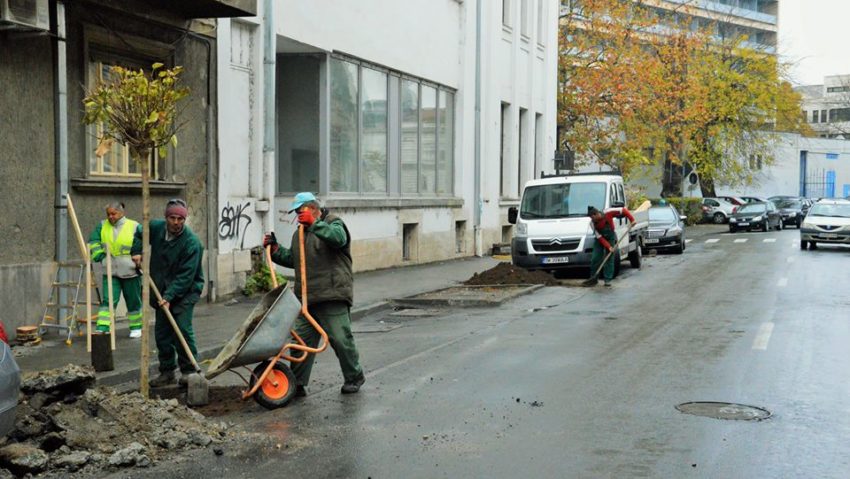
[
  {"x": 131, "y": 288},
  {"x": 168, "y": 344},
  {"x": 335, "y": 318},
  {"x": 599, "y": 253}
]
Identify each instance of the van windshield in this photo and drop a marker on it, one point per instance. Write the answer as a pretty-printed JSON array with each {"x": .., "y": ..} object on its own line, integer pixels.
[{"x": 561, "y": 200}]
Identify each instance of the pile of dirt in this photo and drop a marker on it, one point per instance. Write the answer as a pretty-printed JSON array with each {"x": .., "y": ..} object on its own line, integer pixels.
[
  {"x": 506, "y": 273},
  {"x": 64, "y": 426}
]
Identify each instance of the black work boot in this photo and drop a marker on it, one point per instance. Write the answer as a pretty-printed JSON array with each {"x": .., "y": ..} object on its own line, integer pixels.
[
  {"x": 353, "y": 386},
  {"x": 300, "y": 391},
  {"x": 183, "y": 382},
  {"x": 590, "y": 282},
  {"x": 164, "y": 379}
]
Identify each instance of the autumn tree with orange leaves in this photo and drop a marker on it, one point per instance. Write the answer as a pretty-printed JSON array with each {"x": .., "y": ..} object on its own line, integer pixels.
[{"x": 640, "y": 94}]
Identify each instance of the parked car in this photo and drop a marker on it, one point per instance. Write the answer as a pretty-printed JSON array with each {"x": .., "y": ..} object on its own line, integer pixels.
[
  {"x": 734, "y": 200},
  {"x": 754, "y": 199},
  {"x": 10, "y": 383},
  {"x": 828, "y": 221},
  {"x": 762, "y": 216},
  {"x": 717, "y": 210},
  {"x": 666, "y": 229},
  {"x": 792, "y": 211}
]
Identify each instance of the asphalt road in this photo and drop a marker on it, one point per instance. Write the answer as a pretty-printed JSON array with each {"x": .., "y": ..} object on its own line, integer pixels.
[{"x": 588, "y": 386}]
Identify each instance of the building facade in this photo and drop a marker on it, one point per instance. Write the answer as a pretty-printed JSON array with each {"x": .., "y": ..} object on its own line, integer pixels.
[
  {"x": 826, "y": 107},
  {"x": 417, "y": 122},
  {"x": 45, "y": 68}
]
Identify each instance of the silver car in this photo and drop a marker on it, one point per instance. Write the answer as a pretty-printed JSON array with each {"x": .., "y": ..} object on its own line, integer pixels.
[
  {"x": 10, "y": 383},
  {"x": 828, "y": 221},
  {"x": 717, "y": 210}
]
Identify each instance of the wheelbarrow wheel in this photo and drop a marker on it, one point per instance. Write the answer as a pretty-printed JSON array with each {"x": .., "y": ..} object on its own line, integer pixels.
[{"x": 277, "y": 389}]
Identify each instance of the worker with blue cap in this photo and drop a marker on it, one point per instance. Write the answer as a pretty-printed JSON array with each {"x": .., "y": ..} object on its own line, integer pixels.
[{"x": 327, "y": 245}]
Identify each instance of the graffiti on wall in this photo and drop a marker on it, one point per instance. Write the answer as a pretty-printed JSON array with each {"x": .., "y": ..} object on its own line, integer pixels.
[{"x": 233, "y": 222}]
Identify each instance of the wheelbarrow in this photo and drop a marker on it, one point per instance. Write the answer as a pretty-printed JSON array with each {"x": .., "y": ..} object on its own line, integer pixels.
[{"x": 266, "y": 337}]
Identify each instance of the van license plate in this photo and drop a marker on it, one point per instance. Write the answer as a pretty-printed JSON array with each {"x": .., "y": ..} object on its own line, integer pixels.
[{"x": 556, "y": 260}]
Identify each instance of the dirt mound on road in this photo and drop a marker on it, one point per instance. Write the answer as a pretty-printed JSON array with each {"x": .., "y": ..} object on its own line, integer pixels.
[
  {"x": 65, "y": 426},
  {"x": 506, "y": 273}
]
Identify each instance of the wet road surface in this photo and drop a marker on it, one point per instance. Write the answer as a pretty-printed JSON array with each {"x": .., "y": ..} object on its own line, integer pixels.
[{"x": 587, "y": 386}]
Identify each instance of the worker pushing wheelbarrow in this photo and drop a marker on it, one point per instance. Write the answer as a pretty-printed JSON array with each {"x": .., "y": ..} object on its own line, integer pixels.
[{"x": 280, "y": 327}]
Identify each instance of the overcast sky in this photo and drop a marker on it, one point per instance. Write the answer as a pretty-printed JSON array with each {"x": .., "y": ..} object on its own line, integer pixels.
[{"x": 811, "y": 36}]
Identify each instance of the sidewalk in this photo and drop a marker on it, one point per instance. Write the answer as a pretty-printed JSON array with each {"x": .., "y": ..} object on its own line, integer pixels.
[{"x": 215, "y": 324}]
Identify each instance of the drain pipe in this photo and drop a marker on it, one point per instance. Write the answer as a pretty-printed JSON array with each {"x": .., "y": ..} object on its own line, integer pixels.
[
  {"x": 478, "y": 205},
  {"x": 60, "y": 111},
  {"x": 269, "y": 114}
]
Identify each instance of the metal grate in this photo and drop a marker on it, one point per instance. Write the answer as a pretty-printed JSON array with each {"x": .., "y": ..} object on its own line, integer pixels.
[{"x": 555, "y": 244}]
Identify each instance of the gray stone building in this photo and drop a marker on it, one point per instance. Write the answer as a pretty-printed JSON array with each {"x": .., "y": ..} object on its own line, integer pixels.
[{"x": 50, "y": 51}]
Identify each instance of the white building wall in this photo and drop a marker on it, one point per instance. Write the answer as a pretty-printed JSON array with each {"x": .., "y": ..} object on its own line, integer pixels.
[{"x": 434, "y": 40}]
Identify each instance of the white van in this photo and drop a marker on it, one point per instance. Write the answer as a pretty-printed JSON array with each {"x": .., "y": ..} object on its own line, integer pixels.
[{"x": 553, "y": 231}]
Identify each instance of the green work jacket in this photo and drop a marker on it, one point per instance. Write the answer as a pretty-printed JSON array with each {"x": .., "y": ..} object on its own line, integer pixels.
[
  {"x": 327, "y": 248},
  {"x": 176, "y": 266}
]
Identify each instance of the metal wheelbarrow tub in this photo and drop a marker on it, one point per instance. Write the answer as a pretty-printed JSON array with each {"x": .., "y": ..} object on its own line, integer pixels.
[{"x": 262, "y": 334}]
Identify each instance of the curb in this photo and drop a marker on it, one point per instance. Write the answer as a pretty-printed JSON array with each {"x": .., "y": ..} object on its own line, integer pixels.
[{"x": 117, "y": 378}]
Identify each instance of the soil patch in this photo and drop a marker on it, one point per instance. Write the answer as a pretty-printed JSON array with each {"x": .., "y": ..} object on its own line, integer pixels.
[
  {"x": 65, "y": 426},
  {"x": 506, "y": 273},
  {"x": 224, "y": 400}
]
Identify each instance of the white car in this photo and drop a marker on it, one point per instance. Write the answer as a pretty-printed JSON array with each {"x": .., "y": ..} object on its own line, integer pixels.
[
  {"x": 828, "y": 221},
  {"x": 717, "y": 210}
]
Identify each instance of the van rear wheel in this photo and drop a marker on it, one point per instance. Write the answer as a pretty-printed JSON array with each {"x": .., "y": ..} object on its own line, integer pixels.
[{"x": 636, "y": 256}]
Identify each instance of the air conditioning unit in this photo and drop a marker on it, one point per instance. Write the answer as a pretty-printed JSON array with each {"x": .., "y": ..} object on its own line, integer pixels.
[{"x": 25, "y": 14}]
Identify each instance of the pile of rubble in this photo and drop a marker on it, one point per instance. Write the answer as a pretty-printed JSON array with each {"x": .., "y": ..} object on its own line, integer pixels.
[
  {"x": 66, "y": 425},
  {"x": 508, "y": 274}
]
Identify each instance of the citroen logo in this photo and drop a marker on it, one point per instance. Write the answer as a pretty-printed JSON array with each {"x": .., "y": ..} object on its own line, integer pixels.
[{"x": 555, "y": 241}]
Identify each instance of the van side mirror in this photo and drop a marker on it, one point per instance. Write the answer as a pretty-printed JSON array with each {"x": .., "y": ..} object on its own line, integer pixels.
[
  {"x": 512, "y": 212},
  {"x": 683, "y": 217}
]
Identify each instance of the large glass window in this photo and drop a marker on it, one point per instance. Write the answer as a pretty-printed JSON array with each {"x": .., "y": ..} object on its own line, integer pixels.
[
  {"x": 428, "y": 136},
  {"x": 445, "y": 142},
  {"x": 343, "y": 126},
  {"x": 373, "y": 145},
  {"x": 409, "y": 136}
]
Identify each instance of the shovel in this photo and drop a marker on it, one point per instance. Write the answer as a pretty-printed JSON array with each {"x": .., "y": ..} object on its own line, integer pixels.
[
  {"x": 198, "y": 391},
  {"x": 613, "y": 248}
]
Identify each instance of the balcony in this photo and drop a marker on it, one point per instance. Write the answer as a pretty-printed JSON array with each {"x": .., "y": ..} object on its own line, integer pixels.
[
  {"x": 723, "y": 9},
  {"x": 209, "y": 8}
]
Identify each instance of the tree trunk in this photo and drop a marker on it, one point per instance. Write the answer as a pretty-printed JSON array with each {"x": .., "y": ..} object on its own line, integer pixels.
[
  {"x": 147, "y": 312},
  {"x": 706, "y": 184},
  {"x": 671, "y": 180}
]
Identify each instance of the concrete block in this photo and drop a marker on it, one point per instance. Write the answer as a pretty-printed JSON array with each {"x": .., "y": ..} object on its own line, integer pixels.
[{"x": 225, "y": 264}]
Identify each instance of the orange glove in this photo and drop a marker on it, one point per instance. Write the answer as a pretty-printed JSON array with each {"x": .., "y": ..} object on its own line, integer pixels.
[{"x": 305, "y": 217}]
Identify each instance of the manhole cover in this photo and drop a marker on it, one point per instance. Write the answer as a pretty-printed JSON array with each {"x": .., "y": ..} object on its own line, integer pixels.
[{"x": 724, "y": 410}]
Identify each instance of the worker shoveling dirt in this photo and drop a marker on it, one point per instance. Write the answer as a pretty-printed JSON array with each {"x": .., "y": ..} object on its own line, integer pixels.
[
  {"x": 65, "y": 425},
  {"x": 506, "y": 273}
]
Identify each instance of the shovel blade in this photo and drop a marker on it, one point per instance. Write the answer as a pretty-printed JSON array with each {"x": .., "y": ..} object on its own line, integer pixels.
[{"x": 198, "y": 390}]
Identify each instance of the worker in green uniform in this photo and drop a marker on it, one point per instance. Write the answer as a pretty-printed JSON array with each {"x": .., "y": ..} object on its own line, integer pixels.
[
  {"x": 330, "y": 293},
  {"x": 123, "y": 237},
  {"x": 176, "y": 270},
  {"x": 606, "y": 242}
]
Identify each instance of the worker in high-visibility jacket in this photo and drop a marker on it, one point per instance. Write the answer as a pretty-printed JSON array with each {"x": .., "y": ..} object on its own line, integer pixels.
[{"x": 124, "y": 238}]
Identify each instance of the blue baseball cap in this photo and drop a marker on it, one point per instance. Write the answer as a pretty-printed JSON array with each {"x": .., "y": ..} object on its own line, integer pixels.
[{"x": 301, "y": 199}]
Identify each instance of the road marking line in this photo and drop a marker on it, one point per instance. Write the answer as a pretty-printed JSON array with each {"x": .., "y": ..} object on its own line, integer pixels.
[
  {"x": 769, "y": 240},
  {"x": 790, "y": 259},
  {"x": 712, "y": 240},
  {"x": 763, "y": 336},
  {"x": 783, "y": 282},
  {"x": 741, "y": 240}
]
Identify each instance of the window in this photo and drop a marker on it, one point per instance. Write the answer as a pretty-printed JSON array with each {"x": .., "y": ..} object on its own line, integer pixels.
[
  {"x": 504, "y": 151},
  {"x": 409, "y": 136},
  {"x": 837, "y": 89},
  {"x": 428, "y": 139},
  {"x": 839, "y": 114},
  {"x": 541, "y": 22},
  {"x": 445, "y": 143},
  {"x": 506, "y": 13},
  {"x": 823, "y": 116},
  {"x": 525, "y": 23},
  {"x": 373, "y": 144},
  {"x": 815, "y": 116},
  {"x": 522, "y": 164},
  {"x": 383, "y": 123},
  {"x": 117, "y": 161},
  {"x": 343, "y": 126},
  {"x": 538, "y": 143}
]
